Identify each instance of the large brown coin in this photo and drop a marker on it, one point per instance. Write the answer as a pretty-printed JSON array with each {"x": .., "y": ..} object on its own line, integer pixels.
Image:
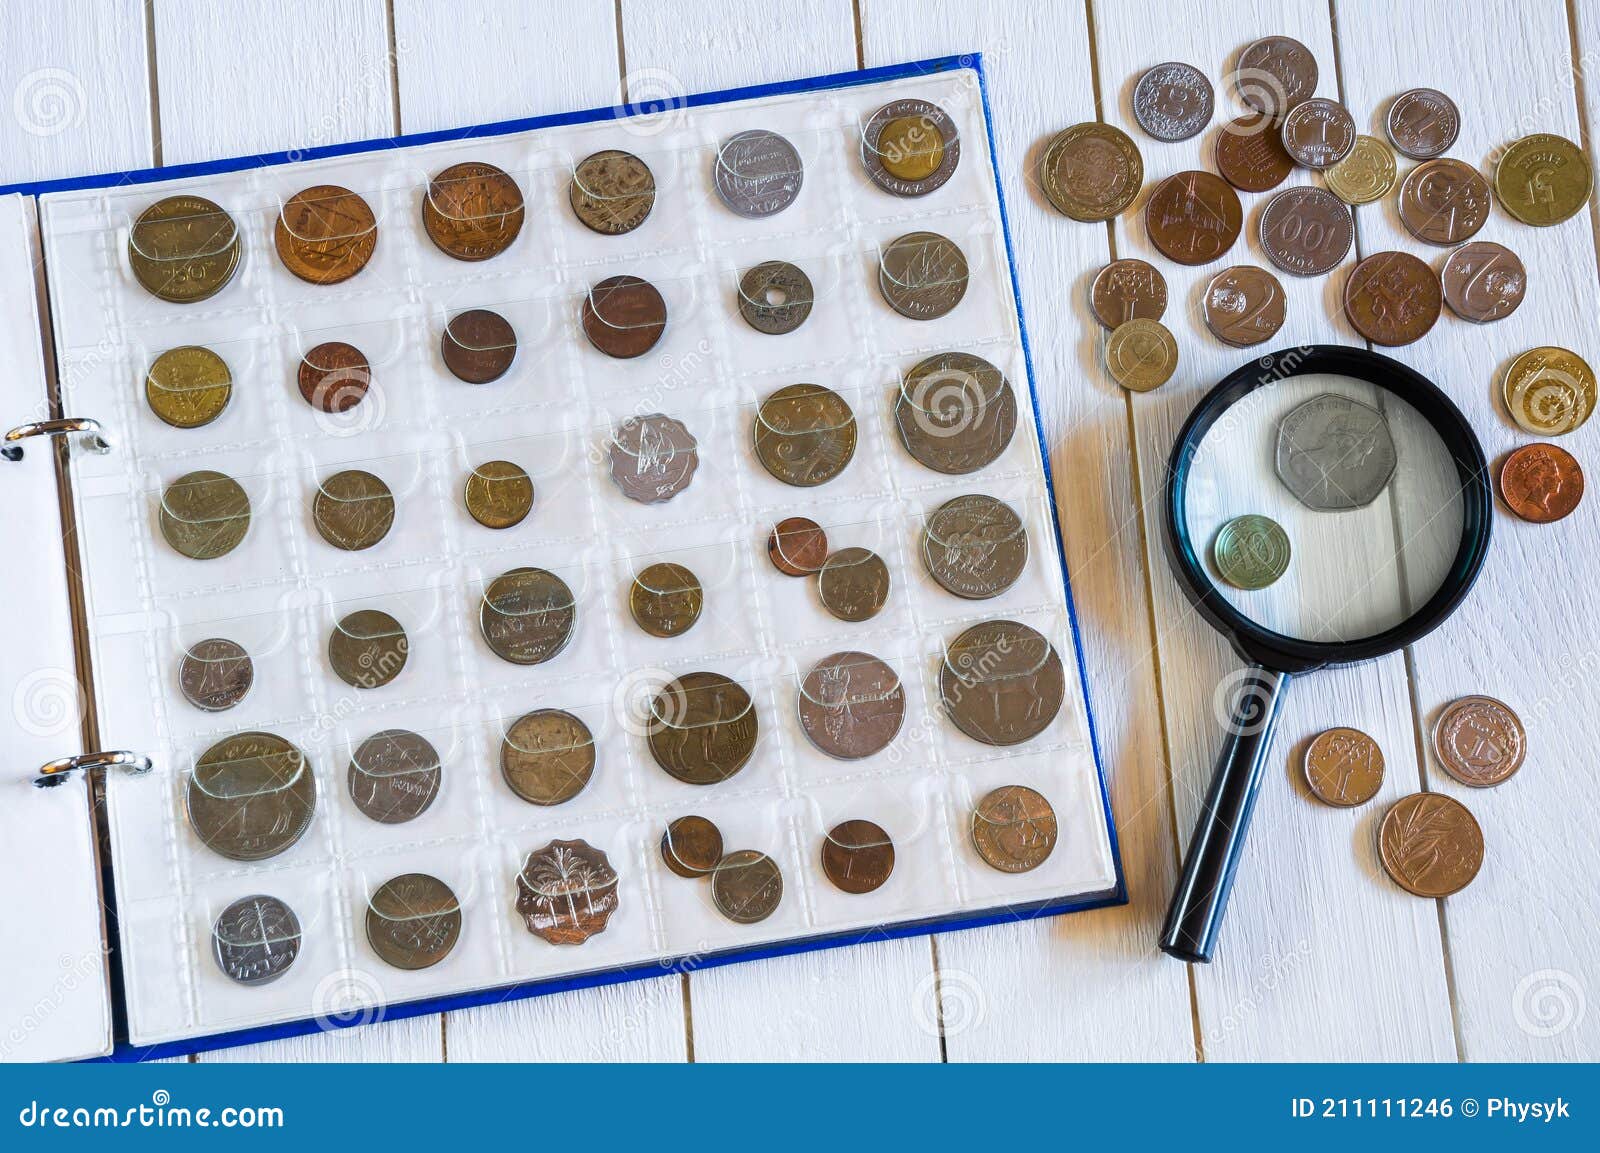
[
  {"x": 325, "y": 234},
  {"x": 1392, "y": 298},
  {"x": 1444, "y": 201},
  {"x": 215, "y": 674},
  {"x": 853, "y": 584},
  {"x": 797, "y": 546},
  {"x": 653, "y": 457},
  {"x": 851, "y": 705},
  {"x": 368, "y": 649},
  {"x": 1001, "y": 682},
  {"x": 1127, "y": 290},
  {"x": 1479, "y": 741},
  {"x": 702, "y": 728},
  {"x": 857, "y": 856},
  {"x": 1193, "y": 217},
  {"x": 394, "y": 776},
  {"x": 1244, "y": 305},
  {"x": 1307, "y": 231},
  {"x": 184, "y": 249},
  {"x": 1319, "y": 133},
  {"x": 624, "y": 316},
  {"x": 204, "y": 514},
  {"x": 188, "y": 387},
  {"x": 251, "y": 796},
  {"x": 547, "y": 756},
  {"x": 922, "y": 275},
  {"x": 478, "y": 346},
  {"x": 691, "y": 847},
  {"x": 334, "y": 376},
  {"x": 1344, "y": 767},
  {"x": 666, "y": 600},
  {"x": 910, "y": 147},
  {"x": 1091, "y": 171},
  {"x": 1274, "y": 74},
  {"x": 499, "y": 494},
  {"x": 975, "y": 546},
  {"x": 612, "y": 192},
  {"x": 805, "y": 434},
  {"x": 1430, "y": 844},
  {"x": 472, "y": 211},
  {"x": 747, "y": 886},
  {"x": 1541, "y": 483},
  {"x": 566, "y": 892},
  {"x": 955, "y": 413},
  {"x": 413, "y": 921},
  {"x": 527, "y": 615},
  {"x": 1250, "y": 154},
  {"x": 353, "y": 510},
  {"x": 1014, "y": 829},
  {"x": 1484, "y": 281}
]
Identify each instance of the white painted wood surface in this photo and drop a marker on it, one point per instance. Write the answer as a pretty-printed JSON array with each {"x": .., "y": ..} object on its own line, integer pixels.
[{"x": 1322, "y": 956}]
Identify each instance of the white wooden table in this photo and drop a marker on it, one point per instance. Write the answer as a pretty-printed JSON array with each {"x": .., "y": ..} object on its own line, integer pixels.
[{"x": 1322, "y": 956}]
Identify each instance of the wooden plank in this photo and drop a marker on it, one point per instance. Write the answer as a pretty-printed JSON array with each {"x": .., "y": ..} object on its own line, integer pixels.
[
  {"x": 675, "y": 49},
  {"x": 1524, "y": 937},
  {"x": 638, "y": 1021},
  {"x": 1087, "y": 987}
]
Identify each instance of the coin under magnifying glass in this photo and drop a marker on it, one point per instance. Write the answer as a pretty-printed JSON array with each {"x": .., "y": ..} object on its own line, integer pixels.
[
  {"x": 567, "y": 892},
  {"x": 1543, "y": 179},
  {"x": 1014, "y": 829},
  {"x": 478, "y": 346},
  {"x": 1127, "y": 290},
  {"x": 1444, "y": 201},
  {"x": 805, "y": 434},
  {"x": 666, "y": 600},
  {"x": 1141, "y": 355},
  {"x": 974, "y": 546},
  {"x": 910, "y": 147},
  {"x": 499, "y": 494},
  {"x": 368, "y": 649},
  {"x": 612, "y": 192},
  {"x": 333, "y": 377},
  {"x": 1173, "y": 101},
  {"x": 1479, "y": 741},
  {"x": 1483, "y": 281},
  {"x": 1193, "y": 217},
  {"x": 1251, "y": 552},
  {"x": 1392, "y": 298},
  {"x": 851, "y": 705},
  {"x": 1430, "y": 845},
  {"x": 188, "y": 387},
  {"x": 1422, "y": 123},
  {"x": 757, "y": 173},
  {"x": 255, "y": 939},
  {"x": 624, "y": 316},
  {"x": 204, "y": 514},
  {"x": 325, "y": 234},
  {"x": 184, "y": 249},
  {"x": 215, "y": 674},
  {"x": 413, "y": 921},
  {"x": 1334, "y": 453},
  {"x": 394, "y": 776},
  {"x": 1541, "y": 483},
  {"x": 1319, "y": 133},
  {"x": 857, "y": 856},
  {"x": 853, "y": 584},
  {"x": 746, "y": 886},
  {"x": 1250, "y": 154},
  {"x": 1274, "y": 74},
  {"x": 1306, "y": 231},
  {"x": 251, "y": 796},
  {"x": 1365, "y": 175},
  {"x": 922, "y": 275},
  {"x": 653, "y": 458},
  {"x": 691, "y": 847},
  {"x": 1001, "y": 682},
  {"x": 1090, "y": 172},
  {"x": 353, "y": 510},
  {"x": 775, "y": 297},
  {"x": 1549, "y": 391},
  {"x": 797, "y": 546},
  {"x": 472, "y": 211},
  {"x": 702, "y": 728},
  {"x": 527, "y": 615},
  {"x": 547, "y": 756},
  {"x": 955, "y": 413},
  {"x": 1244, "y": 305},
  {"x": 1344, "y": 767}
]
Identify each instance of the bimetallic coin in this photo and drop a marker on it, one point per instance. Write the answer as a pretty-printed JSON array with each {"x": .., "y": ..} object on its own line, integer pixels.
[
  {"x": 1251, "y": 552},
  {"x": 478, "y": 346},
  {"x": 851, "y": 705},
  {"x": 353, "y": 510},
  {"x": 333, "y": 377},
  {"x": 255, "y": 939},
  {"x": 1193, "y": 217},
  {"x": 1173, "y": 101},
  {"x": 853, "y": 584},
  {"x": 1141, "y": 355},
  {"x": 472, "y": 211},
  {"x": 1430, "y": 845},
  {"x": 702, "y": 728},
  {"x": 566, "y": 892},
  {"x": 1127, "y": 290},
  {"x": 499, "y": 494},
  {"x": 746, "y": 886},
  {"x": 653, "y": 458},
  {"x": 413, "y": 921},
  {"x": 1306, "y": 231},
  {"x": 1423, "y": 123},
  {"x": 797, "y": 546},
  {"x": 1250, "y": 154},
  {"x": 975, "y": 546},
  {"x": 1541, "y": 483},
  {"x": 547, "y": 756},
  {"x": 204, "y": 514},
  {"x": 955, "y": 413},
  {"x": 1483, "y": 281},
  {"x": 1444, "y": 201},
  {"x": 527, "y": 615},
  {"x": 910, "y": 147},
  {"x": 666, "y": 600},
  {"x": 1319, "y": 133},
  {"x": 1543, "y": 179},
  {"x": 857, "y": 856},
  {"x": 1334, "y": 453},
  {"x": 1091, "y": 171},
  {"x": 368, "y": 649},
  {"x": 612, "y": 191},
  {"x": 1274, "y": 74},
  {"x": 757, "y": 173},
  {"x": 1549, "y": 391},
  {"x": 394, "y": 776},
  {"x": 1479, "y": 741},
  {"x": 1014, "y": 829},
  {"x": 251, "y": 796},
  {"x": 325, "y": 234},
  {"x": 1365, "y": 175},
  {"x": 1001, "y": 682},
  {"x": 184, "y": 249},
  {"x": 922, "y": 275},
  {"x": 215, "y": 674},
  {"x": 775, "y": 297},
  {"x": 1392, "y": 298},
  {"x": 624, "y": 316},
  {"x": 691, "y": 847},
  {"x": 1344, "y": 767},
  {"x": 1244, "y": 305},
  {"x": 189, "y": 386},
  {"x": 804, "y": 434}
]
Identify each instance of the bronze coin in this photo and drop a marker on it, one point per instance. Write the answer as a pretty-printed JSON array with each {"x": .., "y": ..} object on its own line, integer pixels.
[
  {"x": 1484, "y": 281},
  {"x": 653, "y": 457},
  {"x": 394, "y": 776},
  {"x": 1250, "y": 154},
  {"x": 1274, "y": 74},
  {"x": 472, "y": 211},
  {"x": 922, "y": 275},
  {"x": 853, "y": 584},
  {"x": 1014, "y": 829},
  {"x": 334, "y": 376},
  {"x": 1541, "y": 483},
  {"x": 368, "y": 649},
  {"x": 666, "y": 600},
  {"x": 1127, "y": 290},
  {"x": 1307, "y": 231},
  {"x": 1193, "y": 217},
  {"x": 478, "y": 346},
  {"x": 746, "y": 886},
  {"x": 1392, "y": 298},
  {"x": 857, "y": 856},
  {"x": 974, "y": 546},
  {"x": 955, "y": 413},
  {"x": 527, "y": 615},
  {"x": 325, "y": 234},
  {"x": 499, "y": 494},
  {"x": 1091, "y": 171},
  {"x": 851, "y": 705},
  {"x": 184, "y": 249},
  {"x": 204, "y": 514},
  {"x": 1344, "y": 767},
  {"x": 1001, "y": 682},
  {"x": 413, "y": 921},
  {"x": 691, "y": 847},
  {"x": 797, "y": 547},
  {"x": 1430, "y": 844},
  {"x": 702, "y": 728},
  {"x": 775, "y": 297},
  {"x": 1319, "y": 133},
  {"x": 1244, "y": 305},
  {"x": 251, "y": 796},
  {"x": 1444, "y": 201},
  {"x": 1480, "y": 741},
  {"x": 566, "y": 892},
  {"x": 612, "y": 192},
  {"x": 624, "y": 316},
  {"x": 804, "y": 434},
  {"x": 215, "y": 674},
  {"x": 547, "y": 756},
  {"x": 188, "y": 386},
  {"x": 353, "y": 510}
]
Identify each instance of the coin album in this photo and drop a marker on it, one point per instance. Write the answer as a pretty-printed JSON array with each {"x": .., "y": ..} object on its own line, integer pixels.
[{"x": 424, "y": 676}]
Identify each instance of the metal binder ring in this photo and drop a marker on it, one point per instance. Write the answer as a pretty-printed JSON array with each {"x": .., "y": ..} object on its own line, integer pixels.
[
  {"x": 64, "y": 427},
  {"x": 59, "y": 771}
]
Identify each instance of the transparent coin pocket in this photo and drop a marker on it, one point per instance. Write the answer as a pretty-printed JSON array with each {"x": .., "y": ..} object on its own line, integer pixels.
[
  {"x": 855, "y": 708},
  {"x": 813, "y": 441},
  {"x": 424, "y": 918},
  {"x": 859, "y": 589},
  {"x": 365, "y": 511},
  {"x": 403, "y": 775},
  {"x": 347, "y": 380},
  {"x": 677, "y": 604},
  {"x": 534, "y": 617},
  {"x": 526, "y": 487},
  {"x": 183, "y": 396},
  {"x": 982, "y": 546},
  {"x": 932, "y": 288},
  {"x": 960, "y": 415},
  {"x": 554, "y": 750},
  {"x": 382, "y": 647},
  {"x": 240, "y": 670},
  {"x": 666, "y": 467},
  {"x": 876, "y": 842}
]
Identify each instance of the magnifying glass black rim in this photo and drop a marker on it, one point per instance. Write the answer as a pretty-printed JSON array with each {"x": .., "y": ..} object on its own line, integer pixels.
[{"x": 1289, "y": 654}]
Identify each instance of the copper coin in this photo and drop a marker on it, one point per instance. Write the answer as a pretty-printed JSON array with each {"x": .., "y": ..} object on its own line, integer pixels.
[
  {"x": 746, "y": 886},
  {"x": 1250, "y": 154},
  {"x": 857, "y": 856},
  {"x": 851, "y": 705},
  {"x": 547, "y": 756},
  {"x": 612, "y": 191},
  {"x": 1127, "y": 290},
  {"x": 567, "y": 892},
  {"x": 527, "y": 615},
  {"x": 1423, "y": 123},
  {"x": 1193, "y": 217},
  {"x": 334, "y": 376},
  {"x": 691, "y": 847},
  {"x": 1319, "y": 133},
  {"x": 702, "y": 728},
  {"x": 353, "y": 510},
  {"x": 1541, "y": 483},
  {"x": 1444, "y": 201},
  {"x": 325, "y": 234},
  {"x": 472, "y": 211},
  {"x": 368, "y": 649},
  {"x": 251, "y": 796},
  {"x": 665, "y": 600},
  {"x": 394, "y": 776},
  {"x": 413, "y": 921},
  {"x": 478, "y": 346},
  {"x": 853, "y": 584},
  {"x": 1392, "y": 298},
  {"x": 215, "y": 674},
  {"x": 1274, "y": 74},
  {"x": 797, "y": 547},
  {"x": 1480, "y": 741},
  {"x": 1244, "y": 305},
  {"x": 499, "y": 494},
  {"x": 1307, "y": 231},
  {"x": 1484, "y": 281},
  {"x": 624, "y": 316},
  {"x": 1001, "y": 682},
  {"x": 1344, "y": 767},
  {"x": 1430, "y": 844},
  {"x": 1014, "y": 829}
]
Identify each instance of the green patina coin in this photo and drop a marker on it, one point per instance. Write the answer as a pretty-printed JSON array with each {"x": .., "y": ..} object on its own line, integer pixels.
[{"x": 1251, "y": 552}]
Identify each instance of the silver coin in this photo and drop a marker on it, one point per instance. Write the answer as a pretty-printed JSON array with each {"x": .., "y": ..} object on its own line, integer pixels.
[
  {"x": 853, "y": 584},
  {"x": 851, "y": 705},
  {"x": 922, "y": 275},
  {"x": 527, "y": 615},
  {"x": 975, "y": 546},
  {"x": 1173, "y": 101},
  {"x": 757, "y": 173},
  {"x": 255, "y": 939},
  {"x": 1334, "y": 453},
  {"x": 1422, "y": 123},
  {"x": 955, "y": 413},
  {"x": 910, "y": 147},
  {"x": 1001, "y": 682},
  {"x": 394, "y": 776},
  {"x": 653, "y": 457},
  {"x": 775, "y": 297},
  {"x": 215, "y": 674},
  {"x": 1306, "y": 230},
  {"x": 1319, "y": 133}
]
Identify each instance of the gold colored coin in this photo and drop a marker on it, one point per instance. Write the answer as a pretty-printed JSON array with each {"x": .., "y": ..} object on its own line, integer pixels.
[
  {"x": 204, "y": 514},
  {"x": 1549, "y": 391},
  {"x": 1141, "y": 354},
  {"x": 1543, "y": 179},
  {"x": 910, "y": 148},
  {"x": 188, "y": 386},
  {"x": 1430, "y": 844},
  {"x": 666, "y": 600},
  {"x": 499, "y": 494},
  {"x": 184, "y": 249},
  {"x": 1091, "y": 171},
  {"x": 1344, "y": 767},
  {"x": 1367, "y": 174}
]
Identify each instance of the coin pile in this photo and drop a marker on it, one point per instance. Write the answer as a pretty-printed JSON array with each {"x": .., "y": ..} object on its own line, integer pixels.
[
  {"x": 746, "y": 885},
  {"x": 1549, "y": 392},
  {"x": 852, "y": 582}
]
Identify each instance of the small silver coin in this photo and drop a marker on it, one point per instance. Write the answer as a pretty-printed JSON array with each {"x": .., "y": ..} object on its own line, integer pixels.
[
  {"x": 653, "y": 458},
  {"x": 1173, "y": 101},
  {"x": 757, "y": 173},
  {"x": 1334, "y": 453},
  {"x": 1319, "y": 133},
  {"x": 922, "y": 275},
  {"x": 1422, "y": 123},
  {"x": 775, "y": 297},
  {"x": 256, "y": 939},
  {"x": 394, "y": 776},
  {"x": 215, "y": 674},
  {"x": 975, "y": 546}
]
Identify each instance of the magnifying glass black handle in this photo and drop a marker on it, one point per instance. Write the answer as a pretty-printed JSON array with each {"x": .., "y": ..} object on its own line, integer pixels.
[{"x": 1195, "y": 914}]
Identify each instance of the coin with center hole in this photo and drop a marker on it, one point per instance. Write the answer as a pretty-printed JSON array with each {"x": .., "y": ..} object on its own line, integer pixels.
[
  {"x": 612, "y": 191},
  {"x": 255, "y": 939},
  {"x": 1444, "y": 201},
  {"x": 624, "y": 316},
  {"x": 666, "y": 600},
  {"x": 1173, "y": 101},
  {"x": 1392, "y": 298},
  {"x": 368, "y": 649},
  {"x": 1319, "y": 133},
  {"x": 478, "y": 346},
  {"x": 1484, "y": 281},
  {"x": 1001, "y": 682},
  {"x": 1365, "y": 175},
  {"x": 702, "y": 728},
  {"x": 804, "y": 434},
  {"x": 1274, "y": 74},
  {"x": 1344, "y": 767},
  {"x": 325, "y": 234},
  {"x": 1423, "y": 123},
  {"x": 394, "y": 776},
  {"x": 413, "y": 921},
  {"x": 527, "y": 615},
  {"x": 775, "y": 297},
  {"x": 1142, "y": 355},
  {"x": 1543, "y": 179},
  {"x": 1549, "y": 390},
  {"x": 204, "y": 514},
  {"x": 499, "y": 494},
  {"x": 1541, "y": 483},
  {"x": 1127, "y": 290},
  {"x": 747, "y": 886},
  {"x": 797, "y": 546},
  {"x": 251, "y": 796},
  {"x": 922, "y": 275},
  {"x": 691, "y": 847},
  {"x": 1193, "y": 217},
  {"x": 853, "y": 584},
  {"x": 1251, "y": 552},
  {"x": 757, "y": 173},
  {"x": 1244, "y": 305},
  {"x": 1014, "y": 829},
  {"x": 955, "y": 413},
  {"x": 215, "y": 674},
  {"x": 567, "y": 892},
  {"x": 975, "y": 546},
  {"x": 1430, "y": 845},
  {"x": 333, "y": 377},
  {"x": 653, "y": 457},
  {"x": 1307, "y": 231},
  {"x": 851, "y": 705},
  {"x": 857, "y": 856},
  {"x": 547, "y": 756},
  {"x": 1479, "y": 741},
  {"x": 188, "y": 387},
  {"x": 472, "y": 211},
  {"x": 184, "y": 249},
  {"x": 910, "y": 147},
  {"x": 1250, "y": 154},
  {"x": 1090, "y": 172},
  {"x": 353, "y": 510}
]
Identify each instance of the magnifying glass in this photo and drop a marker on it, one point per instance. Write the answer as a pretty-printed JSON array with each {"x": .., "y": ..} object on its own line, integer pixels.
[{"x": 1324, "y": 505}]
